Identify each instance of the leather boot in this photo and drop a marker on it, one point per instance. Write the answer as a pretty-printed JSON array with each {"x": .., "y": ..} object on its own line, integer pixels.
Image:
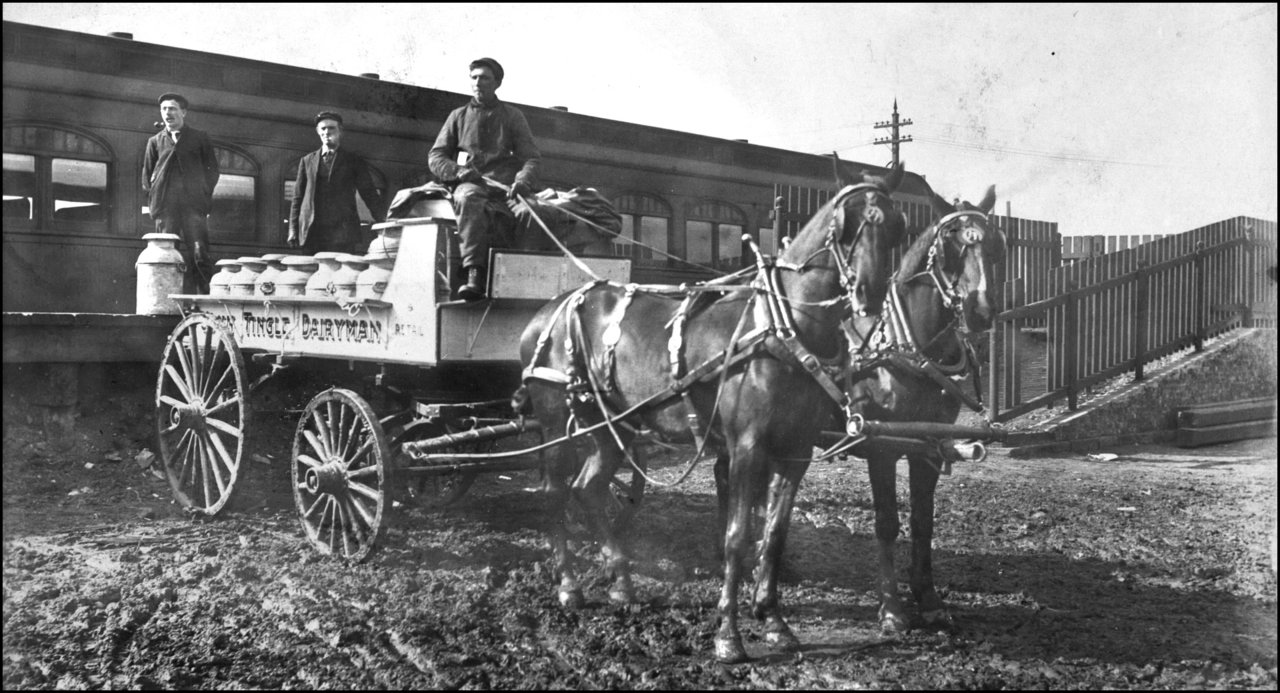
[{"x": 474, "y": 289}]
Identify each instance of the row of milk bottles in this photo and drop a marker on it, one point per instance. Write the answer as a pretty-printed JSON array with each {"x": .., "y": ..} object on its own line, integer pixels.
[{"x": 324, "y": 275}]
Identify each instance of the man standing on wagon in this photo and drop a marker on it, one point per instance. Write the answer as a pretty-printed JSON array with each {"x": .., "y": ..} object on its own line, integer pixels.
[
  {"x": 322, "y": 213},
  {"x": 179, "y": 173},
  {"x": 494, "y": 142}
]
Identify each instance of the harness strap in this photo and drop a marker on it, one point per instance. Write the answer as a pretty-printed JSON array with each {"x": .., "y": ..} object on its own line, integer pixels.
[
  {"x": 674, "y": 346},
  {"x": 540, "y": 349},
  {"x": 613, "y": 334}
]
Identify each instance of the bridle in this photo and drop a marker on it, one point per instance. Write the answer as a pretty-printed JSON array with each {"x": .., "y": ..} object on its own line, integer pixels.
[
  {"x": 872, "y": 214},
  {"x": 969, "y": 236}
]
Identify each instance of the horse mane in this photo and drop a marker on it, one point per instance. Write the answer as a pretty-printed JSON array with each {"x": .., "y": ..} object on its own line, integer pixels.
[{"x": 915, "y": 255}]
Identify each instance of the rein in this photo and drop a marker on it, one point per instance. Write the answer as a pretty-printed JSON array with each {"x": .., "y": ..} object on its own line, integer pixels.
[
  {"x": 907, "y": 354},
  {"x": 777, "y": 336}
]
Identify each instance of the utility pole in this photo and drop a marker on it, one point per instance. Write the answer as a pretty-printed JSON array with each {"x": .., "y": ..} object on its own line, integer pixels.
[{"x": 894, "y": 141}]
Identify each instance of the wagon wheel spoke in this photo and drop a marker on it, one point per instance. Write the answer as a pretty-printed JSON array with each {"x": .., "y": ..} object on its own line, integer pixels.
[
  {"x": 202, "y": 414},
  {"x": 339, "y": 467}
]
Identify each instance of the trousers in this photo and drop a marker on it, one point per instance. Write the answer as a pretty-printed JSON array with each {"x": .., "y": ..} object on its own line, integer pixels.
[
  {"x": 484, "y": 221},
  {"x": 193, "y": 228}
]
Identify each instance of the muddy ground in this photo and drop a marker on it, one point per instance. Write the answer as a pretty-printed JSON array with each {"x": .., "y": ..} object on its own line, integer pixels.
[{"x": 1152, "y": 570}]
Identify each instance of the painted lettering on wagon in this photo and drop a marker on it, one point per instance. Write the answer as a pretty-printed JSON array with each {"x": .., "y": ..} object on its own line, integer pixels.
[{"x": 314, "y": 329}]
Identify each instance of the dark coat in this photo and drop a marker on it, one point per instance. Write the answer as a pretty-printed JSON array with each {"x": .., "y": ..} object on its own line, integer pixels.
[
  {"x": 182, "y": 175},
  {"x": 331, "y": 200}
]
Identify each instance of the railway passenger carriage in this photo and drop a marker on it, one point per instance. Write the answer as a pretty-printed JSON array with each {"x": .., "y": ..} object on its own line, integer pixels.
[{"x": 78, "y": 109}]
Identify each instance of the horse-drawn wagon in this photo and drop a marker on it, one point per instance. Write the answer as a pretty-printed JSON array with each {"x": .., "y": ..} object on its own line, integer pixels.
[
  {"x": 434, "y": 372},
  {"x": 754, "y": 364}
]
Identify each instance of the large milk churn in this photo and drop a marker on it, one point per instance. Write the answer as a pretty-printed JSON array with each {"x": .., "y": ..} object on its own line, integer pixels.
[{"x": 160, "y": 269}]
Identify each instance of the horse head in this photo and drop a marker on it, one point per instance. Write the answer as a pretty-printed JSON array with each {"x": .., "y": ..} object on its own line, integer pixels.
[
  {"x": 854, "y": 235},
  {"x": 965, "y": 245}
]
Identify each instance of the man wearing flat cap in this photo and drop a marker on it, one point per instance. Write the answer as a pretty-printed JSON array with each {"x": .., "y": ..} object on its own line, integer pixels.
[
  {"x": 179, "y": 173},
  {"x": 323, "y": 214},
  {"x": 496, "y": 147}
]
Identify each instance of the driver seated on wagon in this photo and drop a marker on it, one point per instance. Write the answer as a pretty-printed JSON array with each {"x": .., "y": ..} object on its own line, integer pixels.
[{"x": 498, "y": 163}]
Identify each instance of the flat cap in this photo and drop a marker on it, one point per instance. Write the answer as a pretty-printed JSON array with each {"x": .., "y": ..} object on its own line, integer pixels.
[
  {"x": 170, "y": 96},
  {"x": 489, "y": 63},
  {"x": 328, "y": 115}
]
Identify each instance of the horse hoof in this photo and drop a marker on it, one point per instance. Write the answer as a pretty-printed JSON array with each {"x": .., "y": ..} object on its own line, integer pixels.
[
  {"x": 731, "y": 651},
  {"x": 572, "y": 599},
  {"x": 782, "y": 640},
  {"x": 893, "y": 623}
]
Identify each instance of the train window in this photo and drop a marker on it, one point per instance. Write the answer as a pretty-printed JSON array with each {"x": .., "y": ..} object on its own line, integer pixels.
[
  {"x": 714, "y": 235},
  {"x": 647, "y": 220},
  {"x": 234, "y": 213},
  {"x": 697, "y": 242},
  {"x": 623, "y": 248},
  {"x": 19, "y": 187},
  {"x": 79, "y": 190},
  {"x": 653, "y": 240},
  {"x": 55, "y": 178}
]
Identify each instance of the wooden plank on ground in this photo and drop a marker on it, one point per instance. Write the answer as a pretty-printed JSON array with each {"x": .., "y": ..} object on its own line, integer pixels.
[
  {"x": 1206, "y": 435},
  {"x": 1261, "y": 411}
]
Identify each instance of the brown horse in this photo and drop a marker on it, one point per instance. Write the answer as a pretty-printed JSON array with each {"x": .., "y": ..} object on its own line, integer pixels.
[
  {"x": 942, "y": 290},
  {"x": 745, "y": 366}
]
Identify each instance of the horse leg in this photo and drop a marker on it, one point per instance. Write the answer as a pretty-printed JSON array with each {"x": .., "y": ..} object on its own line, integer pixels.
[
  {"x": 562, "y": 463},
  {"x": 924, "y": 481},
  {"x": 591, "y": 490},
  {"x": 782, "y": 494},
  {"x": 737, "y": 540},
  {"x": 882, "y": 468},
  {"x": 721, "y": 472}
]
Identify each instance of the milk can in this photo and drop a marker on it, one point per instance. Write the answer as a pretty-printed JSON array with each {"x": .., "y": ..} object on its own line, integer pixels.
[
  {"x": 387, "y": 241},
  {"x": 344, "y": 278},
  {"x": 160, "y": 268},
  {"x": 297, "y": 271},
  {"x": 265, "y": 284},
  {"x": 321, "y": 282},
  {"x": 220, "y": 283},
  {"x": 250, "y": 268},
  {"x": 373, "y": 280}
]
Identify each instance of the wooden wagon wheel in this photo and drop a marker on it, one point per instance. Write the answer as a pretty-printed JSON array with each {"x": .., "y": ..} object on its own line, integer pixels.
[
  {"x": 438, "y": 490},
  {"x": 202, "y": 414},
  {"x": 340, "y": 474}
]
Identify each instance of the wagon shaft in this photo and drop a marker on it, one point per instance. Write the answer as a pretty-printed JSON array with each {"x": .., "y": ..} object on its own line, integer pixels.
[
  {"x": 421, "y": 447},
  {"x": 925, "y": 429}
]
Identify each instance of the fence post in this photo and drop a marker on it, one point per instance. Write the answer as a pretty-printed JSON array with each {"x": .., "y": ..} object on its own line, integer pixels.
[
  {"x": 1140, "y": 310},
  {"x": 1200, "y": 290},
  {"x": 1071, "y": 330},
  {"x": 1250, "y": 270}
]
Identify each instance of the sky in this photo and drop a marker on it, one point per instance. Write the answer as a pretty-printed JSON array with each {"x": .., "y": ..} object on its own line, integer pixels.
[{"x": 1104, "y": 118}]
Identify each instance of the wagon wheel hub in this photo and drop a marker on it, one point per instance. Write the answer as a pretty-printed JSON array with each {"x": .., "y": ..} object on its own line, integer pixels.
[
  {"x": 330, "y": 478},
  {"x": 192, "y": 415}
]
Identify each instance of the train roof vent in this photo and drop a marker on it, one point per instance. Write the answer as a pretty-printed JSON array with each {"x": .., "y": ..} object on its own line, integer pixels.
[
  {"x": 560, "y": 108},
  {"x": 371, "y": 75},
  {"x": 742, "y": 141},
  {"x": 121, "y": 35}
]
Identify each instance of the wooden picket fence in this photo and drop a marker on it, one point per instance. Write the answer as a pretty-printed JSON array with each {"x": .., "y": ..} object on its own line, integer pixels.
[
  {"x": 1105, "y": 316},
  {"x": 1118, "y": 304}
]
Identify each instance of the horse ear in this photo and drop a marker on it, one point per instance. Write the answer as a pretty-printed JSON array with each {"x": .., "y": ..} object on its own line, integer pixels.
[
  {"x": 841, "y": 179},
  {"x": 894, "y": 179},
  {"x": 988, "y": 200}
]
